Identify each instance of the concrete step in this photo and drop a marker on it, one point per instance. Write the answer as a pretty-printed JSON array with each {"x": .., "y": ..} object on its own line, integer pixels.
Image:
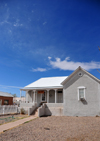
[{"x": 35, "y": 113}]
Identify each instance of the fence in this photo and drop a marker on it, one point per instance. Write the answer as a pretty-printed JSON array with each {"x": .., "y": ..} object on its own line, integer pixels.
[{"x": 8, "y": 109}]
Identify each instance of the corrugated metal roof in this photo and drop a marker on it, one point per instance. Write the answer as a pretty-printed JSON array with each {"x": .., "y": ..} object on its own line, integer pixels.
[
  {"x": 47, "y": 82},
  {"x": 5, "y": 94}
]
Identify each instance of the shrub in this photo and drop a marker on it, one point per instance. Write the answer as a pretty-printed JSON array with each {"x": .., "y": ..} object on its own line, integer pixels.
[{"x": 22, "y": 111}]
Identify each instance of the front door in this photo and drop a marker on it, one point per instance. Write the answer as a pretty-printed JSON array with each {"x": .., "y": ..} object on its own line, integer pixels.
[{"x": 43, "y": 97}]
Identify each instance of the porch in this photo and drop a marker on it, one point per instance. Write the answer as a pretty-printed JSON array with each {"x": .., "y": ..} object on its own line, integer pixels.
[{"x": 43, "y": 96}]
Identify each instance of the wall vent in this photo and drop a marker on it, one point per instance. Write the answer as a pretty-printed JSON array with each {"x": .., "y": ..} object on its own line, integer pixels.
[{"x": 80, "y": 74}]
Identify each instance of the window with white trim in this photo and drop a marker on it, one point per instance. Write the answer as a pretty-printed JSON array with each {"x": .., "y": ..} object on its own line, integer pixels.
[{"x": 81, "y": 93}]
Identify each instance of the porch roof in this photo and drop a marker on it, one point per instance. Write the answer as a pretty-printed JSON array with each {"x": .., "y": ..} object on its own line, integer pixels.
[{"x": 48, "y": 82}]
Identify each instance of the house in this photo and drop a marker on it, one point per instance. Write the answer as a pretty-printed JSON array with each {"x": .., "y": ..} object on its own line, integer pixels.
[
  {"x": 17, "y": 99},
  {"x": 6, "y": 98},
  {"x": 74, "y": 95}
]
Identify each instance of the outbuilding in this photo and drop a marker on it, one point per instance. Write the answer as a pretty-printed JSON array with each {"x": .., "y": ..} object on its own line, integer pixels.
[{"x": 6, "y": 98}]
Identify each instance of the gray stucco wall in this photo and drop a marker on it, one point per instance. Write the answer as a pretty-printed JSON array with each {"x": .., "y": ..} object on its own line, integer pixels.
[
  {"x": 29, "y": 96},
  {"x": 49, "y": 109},
  {"x": 54, "y": 109},
  {"x": 73, "y": 107}
]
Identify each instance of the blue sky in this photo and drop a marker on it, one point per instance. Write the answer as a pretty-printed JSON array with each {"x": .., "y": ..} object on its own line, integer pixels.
[{"x": 47, "y": 38}]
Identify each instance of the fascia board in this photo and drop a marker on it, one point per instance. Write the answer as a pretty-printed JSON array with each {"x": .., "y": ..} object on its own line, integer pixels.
[{"x": 40, "y": 88}]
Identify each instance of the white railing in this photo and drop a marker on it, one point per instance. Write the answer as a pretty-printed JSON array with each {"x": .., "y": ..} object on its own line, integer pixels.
[
  {"x": 26, "y": 104},
  {"x": 8, "y": 109}
]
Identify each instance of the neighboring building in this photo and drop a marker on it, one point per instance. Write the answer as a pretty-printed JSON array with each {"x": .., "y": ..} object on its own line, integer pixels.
[
  {"x": 17, "y": 99},
  {"x": 75, "y": 95},
  {"x": 6, "y": 98}
]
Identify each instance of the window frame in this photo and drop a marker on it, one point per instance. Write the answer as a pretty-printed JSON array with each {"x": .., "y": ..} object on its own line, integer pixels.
[{"x": 81, "y": 87}]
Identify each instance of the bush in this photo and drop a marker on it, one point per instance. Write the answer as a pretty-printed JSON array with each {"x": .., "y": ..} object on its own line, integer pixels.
[{"x": 22, "y": 111}]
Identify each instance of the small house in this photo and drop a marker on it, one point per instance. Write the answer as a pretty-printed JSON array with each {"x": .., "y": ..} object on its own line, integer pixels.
[
  {"x": 6, "y": 98},
  {"x": 75, "y": 95}
]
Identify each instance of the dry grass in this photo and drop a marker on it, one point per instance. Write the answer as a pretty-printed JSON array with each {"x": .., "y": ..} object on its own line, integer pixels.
[
  {"x": 56, "y": 129},
  {"x": 11, "y": 118}
]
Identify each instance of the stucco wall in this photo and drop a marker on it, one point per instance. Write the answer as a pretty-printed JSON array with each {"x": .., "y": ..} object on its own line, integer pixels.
[
  {"x": 51, "y": 109},
  {"x": 54, "y": 109},
  {"x": 73, "y": 107}
]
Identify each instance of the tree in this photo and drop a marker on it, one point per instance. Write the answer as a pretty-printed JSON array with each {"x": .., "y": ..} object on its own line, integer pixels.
[{"x": 14, "y": 95}]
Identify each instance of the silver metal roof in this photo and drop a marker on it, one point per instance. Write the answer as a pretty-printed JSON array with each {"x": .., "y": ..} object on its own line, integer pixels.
[
  {"x": 5, "y": 94},
  {"x": 47, "y": 82}
]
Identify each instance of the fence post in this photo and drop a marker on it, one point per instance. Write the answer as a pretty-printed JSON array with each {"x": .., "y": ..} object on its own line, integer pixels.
[{"x": 3, "y": 110}]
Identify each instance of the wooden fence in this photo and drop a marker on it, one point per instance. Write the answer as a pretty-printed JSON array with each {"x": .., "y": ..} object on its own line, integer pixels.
[{"x": 8, "y": 109}]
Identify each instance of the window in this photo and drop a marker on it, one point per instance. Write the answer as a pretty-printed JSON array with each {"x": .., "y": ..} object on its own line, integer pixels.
[
  {"x": 6, "y": 102},
  {"x": 59, "y": 91},
  {"x": 43, "y": 97},
  {"x": 81, "y": 93}
]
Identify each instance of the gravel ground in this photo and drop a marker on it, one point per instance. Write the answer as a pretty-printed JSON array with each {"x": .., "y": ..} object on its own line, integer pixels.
[{"x": 56, "y": 129}]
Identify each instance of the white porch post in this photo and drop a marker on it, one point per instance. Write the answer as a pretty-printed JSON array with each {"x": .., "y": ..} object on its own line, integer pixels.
[
  {"x": 20, "y": 94},
  {"x": 34, "y": 96},
  {"x": 27, "y": 96},
  {"x": 55, "y": 96},
  {"x": 47, "y": 96}
]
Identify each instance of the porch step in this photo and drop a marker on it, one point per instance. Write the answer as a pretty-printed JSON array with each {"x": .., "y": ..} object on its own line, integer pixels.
[{"x": 35, "y": 113}]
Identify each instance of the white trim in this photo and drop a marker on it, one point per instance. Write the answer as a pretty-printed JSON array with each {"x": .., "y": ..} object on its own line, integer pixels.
[
  {"x": 34, "y": 95},
  {"x": 55, "y": 95},
  {"x": 47, "y": 96},
  {"x": 81, "y": 87}
]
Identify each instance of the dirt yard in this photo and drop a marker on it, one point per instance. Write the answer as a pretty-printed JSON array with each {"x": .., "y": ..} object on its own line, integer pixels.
[{"x": 56, "y": 129}]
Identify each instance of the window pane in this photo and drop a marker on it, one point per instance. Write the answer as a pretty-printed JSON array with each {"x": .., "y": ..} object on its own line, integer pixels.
[
  {"x": 43, "y": 97},
  {"x": 81, "y": 93}
]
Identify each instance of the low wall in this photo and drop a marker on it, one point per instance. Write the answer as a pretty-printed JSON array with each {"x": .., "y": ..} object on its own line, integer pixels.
[
  {"x": 49, "y": 109},
  {"x": 31, "y": 110},
  {"x": 23, "y": 104},
  {"x": 54, "y": 111},
  {"x": 54, "y": 104},
  {"x": 8, "y": 109}
]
